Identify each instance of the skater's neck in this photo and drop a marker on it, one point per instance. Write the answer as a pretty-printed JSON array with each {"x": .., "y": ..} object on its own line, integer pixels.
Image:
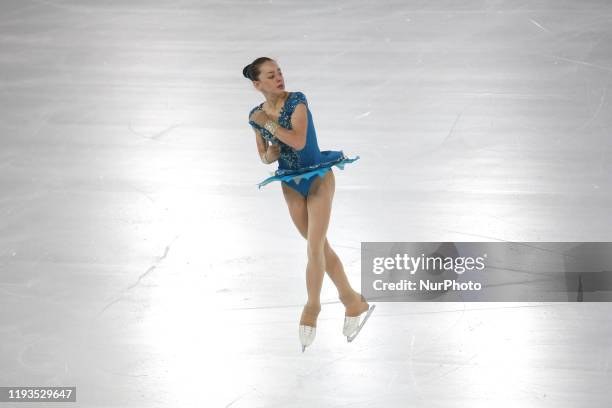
[{"x": 276, "y": 101}]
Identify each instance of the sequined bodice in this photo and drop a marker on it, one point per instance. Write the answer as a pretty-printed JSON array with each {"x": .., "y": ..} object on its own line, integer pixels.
[{"x": 290, "y": 158}]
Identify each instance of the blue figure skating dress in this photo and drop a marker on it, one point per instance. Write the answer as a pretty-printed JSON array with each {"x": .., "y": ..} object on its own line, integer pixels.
[{"x": 299, "y": 168}]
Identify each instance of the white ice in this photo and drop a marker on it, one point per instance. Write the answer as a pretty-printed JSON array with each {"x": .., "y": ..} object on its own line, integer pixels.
[{"x": 140, "y": 263}]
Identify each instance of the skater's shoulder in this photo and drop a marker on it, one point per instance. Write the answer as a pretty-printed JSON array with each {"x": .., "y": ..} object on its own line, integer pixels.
[
  {"x": 253, "y": 109},
  {"x": 297, "y": 97}
]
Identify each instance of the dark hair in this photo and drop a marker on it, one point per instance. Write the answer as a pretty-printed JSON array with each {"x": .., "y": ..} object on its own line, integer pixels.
[{"x": 251, "y": 71}]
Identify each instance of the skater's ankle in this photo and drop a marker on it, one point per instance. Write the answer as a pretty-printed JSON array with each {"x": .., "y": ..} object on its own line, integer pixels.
[
  {"x": 315, "y": 306},
  {"x": 310, "y": 313},
  {"x": 349, "y": 297}
]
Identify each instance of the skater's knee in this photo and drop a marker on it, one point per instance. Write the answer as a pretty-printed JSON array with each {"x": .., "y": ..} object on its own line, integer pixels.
[{"x": 316, "y": 249}]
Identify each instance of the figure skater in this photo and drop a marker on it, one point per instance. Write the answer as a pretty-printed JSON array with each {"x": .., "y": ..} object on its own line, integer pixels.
[{"x": 285, "y": 132}]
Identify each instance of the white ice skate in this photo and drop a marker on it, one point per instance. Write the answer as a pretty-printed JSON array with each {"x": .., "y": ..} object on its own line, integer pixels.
[
  {"x": 308, "y": 325},
  {"x": 353, "y": 324}
]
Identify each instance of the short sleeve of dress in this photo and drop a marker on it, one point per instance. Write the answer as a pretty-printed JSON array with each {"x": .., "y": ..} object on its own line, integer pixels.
[{"x": 300, "y": 98}]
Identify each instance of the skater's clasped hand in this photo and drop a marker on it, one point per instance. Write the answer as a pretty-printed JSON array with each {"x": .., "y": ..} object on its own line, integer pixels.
[
  {"x": 260, "y": 117},
  {"x": 273, "y": 152}
]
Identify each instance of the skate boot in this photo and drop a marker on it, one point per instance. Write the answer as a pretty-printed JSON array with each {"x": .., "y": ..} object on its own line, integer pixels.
[
  {"x": 355, "y": 305},
  {"x": 308, "y": 325}
]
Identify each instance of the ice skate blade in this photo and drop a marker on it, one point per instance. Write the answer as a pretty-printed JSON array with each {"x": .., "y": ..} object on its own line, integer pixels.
[
  {"x": 367, "y": 316},
  {"x": 303, "y": 348}
]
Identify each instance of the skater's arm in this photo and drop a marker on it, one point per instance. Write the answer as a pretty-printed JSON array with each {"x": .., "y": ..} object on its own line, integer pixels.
[
  {"x": 296, "y": 137},
  {"x": 266, "y": 153}
]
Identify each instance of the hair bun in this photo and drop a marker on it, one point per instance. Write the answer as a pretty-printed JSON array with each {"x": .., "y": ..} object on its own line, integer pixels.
[
  {"x": 248, "y": 72},
  {"x": 252, "y": 71}
]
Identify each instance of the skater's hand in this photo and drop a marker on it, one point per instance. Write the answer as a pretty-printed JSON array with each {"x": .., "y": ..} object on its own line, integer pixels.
[
  {"x": 260, "y": 117},
  {"x": 273, "y": 152}
]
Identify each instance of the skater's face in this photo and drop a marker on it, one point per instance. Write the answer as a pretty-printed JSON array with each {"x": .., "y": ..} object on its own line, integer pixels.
[{"x": 270, "y": 79}]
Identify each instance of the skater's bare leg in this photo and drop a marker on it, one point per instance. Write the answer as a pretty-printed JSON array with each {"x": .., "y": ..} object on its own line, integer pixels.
[
  {"x": 318, "y": 207},
  {"x": 333, "y": 265}
]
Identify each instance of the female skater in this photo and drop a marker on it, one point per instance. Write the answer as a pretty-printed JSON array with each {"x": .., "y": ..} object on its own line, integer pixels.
[{"x": 284, "y": 132}]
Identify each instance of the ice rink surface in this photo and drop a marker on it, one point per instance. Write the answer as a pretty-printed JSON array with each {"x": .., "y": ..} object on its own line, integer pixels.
[{"x": 140, "y": 263}]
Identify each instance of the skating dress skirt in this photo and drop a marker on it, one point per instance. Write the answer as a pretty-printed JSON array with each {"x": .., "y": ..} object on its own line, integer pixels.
[{"x": 299, "y": 168}]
